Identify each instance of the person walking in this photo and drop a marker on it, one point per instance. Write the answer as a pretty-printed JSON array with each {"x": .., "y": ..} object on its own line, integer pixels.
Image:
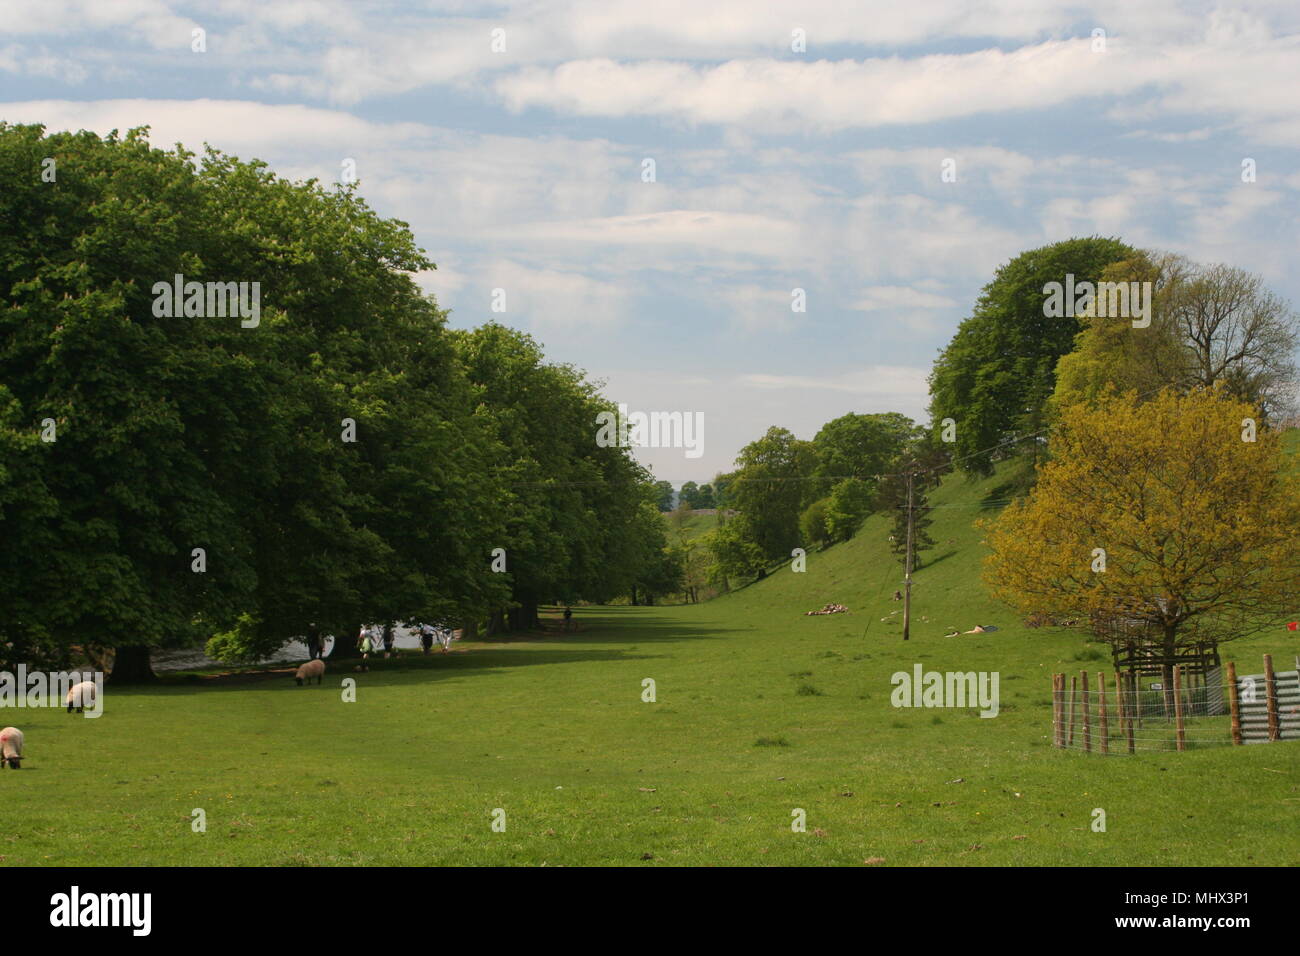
[
  {"x": 426, "y": 637},
  {"x": 389, "y": 637},
  {"x": 568, "y": 618},
  {"x": 313, "y": 642},
  {"x": 365, "y": 645}
]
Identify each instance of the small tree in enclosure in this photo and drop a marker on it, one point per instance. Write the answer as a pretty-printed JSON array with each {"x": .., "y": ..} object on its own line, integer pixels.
[{"x": 1174, "y": 513}]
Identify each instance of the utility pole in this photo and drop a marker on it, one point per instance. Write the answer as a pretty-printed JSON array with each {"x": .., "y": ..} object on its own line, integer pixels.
[{"x": 907, "y": 574}]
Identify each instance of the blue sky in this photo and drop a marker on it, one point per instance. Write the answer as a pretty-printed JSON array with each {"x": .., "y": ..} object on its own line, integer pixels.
[{"x": 521, "y": 168}]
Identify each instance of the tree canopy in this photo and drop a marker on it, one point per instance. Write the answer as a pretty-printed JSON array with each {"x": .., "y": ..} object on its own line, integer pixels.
[
  {"x": 994, "y": 378},
  {"x": 332, "y": 457},
  {"x": 1170, "y": 512}
]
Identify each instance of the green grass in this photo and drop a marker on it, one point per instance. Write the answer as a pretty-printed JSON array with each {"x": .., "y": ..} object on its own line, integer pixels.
[
  {"x": 553, "y": 730},
  {"x": 693, "y": 524}
]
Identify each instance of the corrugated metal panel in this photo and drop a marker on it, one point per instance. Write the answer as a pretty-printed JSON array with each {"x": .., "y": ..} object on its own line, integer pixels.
[{"x": 1254, "y": 714}]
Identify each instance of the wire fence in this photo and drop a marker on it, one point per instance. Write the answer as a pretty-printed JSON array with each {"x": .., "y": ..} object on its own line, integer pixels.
[{"x": 1128, "y": 713}]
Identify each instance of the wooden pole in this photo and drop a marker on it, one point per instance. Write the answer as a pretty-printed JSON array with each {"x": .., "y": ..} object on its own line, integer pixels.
[
  {"x": 1087, "y": 722},
  {"x": 1233, "y": 705},
  {"x": 907, "y": 574},
  {"x": 1119, "y": 701},
  {"x": 1058, "y": 735},
  {"x": 1101, "y": 701},
  {"x": 1178, "y": 706},
  {"x": 1132, "y": 682},
  {"x": 1270, "y": 696},
  {"x": 1074, "y": 693}
]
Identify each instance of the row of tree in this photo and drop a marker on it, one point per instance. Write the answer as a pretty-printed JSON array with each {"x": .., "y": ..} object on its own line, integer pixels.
[{"x": 345, "y": 459}]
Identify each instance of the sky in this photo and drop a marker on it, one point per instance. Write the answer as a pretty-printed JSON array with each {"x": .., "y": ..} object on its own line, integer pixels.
[{"x": 883, "y": 158}]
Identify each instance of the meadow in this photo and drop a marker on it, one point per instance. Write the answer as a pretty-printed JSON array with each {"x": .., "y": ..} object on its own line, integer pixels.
[{"x": 759, "y": 711}]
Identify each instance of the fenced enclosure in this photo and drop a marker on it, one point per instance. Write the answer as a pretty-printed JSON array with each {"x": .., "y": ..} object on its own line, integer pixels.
[{"x": 1127, "y": 713}]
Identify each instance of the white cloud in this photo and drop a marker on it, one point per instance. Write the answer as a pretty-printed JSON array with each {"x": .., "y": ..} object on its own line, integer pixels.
[
  {"x": 235, "y": 126},
  {"x": 704, "y": 228},
  {"x": 905, "y": 385},
  {"x": 755, "y": 308},
  {"x": 901, "y": 297},
  {"x": 547, "y": 298},
  {"x": 825, "y": 96}
]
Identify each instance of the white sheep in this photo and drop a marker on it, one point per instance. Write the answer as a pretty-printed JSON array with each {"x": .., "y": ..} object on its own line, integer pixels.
[
  {"x": 11, "y": 747},
  {"x": 80, "y": 696},
  {"x": 314, "y": 668}
]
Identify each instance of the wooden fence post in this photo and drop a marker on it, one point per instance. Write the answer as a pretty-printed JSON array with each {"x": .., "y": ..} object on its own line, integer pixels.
[
  {"x": 1270, "y": 695},
  {"x": 1056, "y": 711},
  {"x": 1074, "y": 693},
  {"x": 1132, "y": 703},
  {"x": 1233, "y": 705},
  {"x": 1101, "y": 706},
  {"x": 1087, "y": 720},
  {"x": 1178, "y": 706},
  {"x": 1119, "y": 703}
]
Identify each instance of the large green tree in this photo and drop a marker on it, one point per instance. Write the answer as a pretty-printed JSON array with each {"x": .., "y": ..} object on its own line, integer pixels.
[
  {"x": 861, "y": 446},
  {"x": 575, "y": 522},
  {"x": 1208, "y": 326},
  {"x": 201, "y": 475},
  {"x": 770, "y": 490},
  {"x": 995, "y": 377}
]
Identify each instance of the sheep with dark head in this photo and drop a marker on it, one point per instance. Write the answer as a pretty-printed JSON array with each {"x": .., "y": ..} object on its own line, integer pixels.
[
  {"x": 11, "y": 748},
  {"x": 81, "y": 696}
]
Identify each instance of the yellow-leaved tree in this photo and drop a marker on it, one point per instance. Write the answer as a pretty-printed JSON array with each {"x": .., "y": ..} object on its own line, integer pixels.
[{"x": 1174, "y": 512}]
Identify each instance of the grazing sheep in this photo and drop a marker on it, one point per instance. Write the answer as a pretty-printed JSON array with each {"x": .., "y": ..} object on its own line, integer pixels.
[
  {"x": 11, "y": 748},
  {"x": 314, "y": 668},
  {"x": 81, "y": 696}
]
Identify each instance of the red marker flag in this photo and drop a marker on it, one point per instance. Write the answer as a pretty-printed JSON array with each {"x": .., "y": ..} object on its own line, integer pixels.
[{"x": 1293, "y": 626}]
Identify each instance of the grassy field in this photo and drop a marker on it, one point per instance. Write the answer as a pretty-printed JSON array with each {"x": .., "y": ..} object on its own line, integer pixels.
[
  {"x": 760, "y": 710},
  {"x": 693, "y": 524}
]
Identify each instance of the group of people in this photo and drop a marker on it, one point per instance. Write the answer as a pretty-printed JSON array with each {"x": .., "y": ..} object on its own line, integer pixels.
[
  {"x": 373, "y": 637},
  {"x": 430, "y": 633}
]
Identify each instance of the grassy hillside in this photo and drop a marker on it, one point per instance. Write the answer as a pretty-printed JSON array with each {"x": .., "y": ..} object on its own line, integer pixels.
[
  {"x": 692, "y": 523},
  {"x": 760, "y": 711}
]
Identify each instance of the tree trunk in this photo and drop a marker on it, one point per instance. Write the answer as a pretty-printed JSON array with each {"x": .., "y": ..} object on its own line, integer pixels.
[
  {"x": 469, "y": 629},
  {"x": 345, "y": 644},
  {"x": 131, "y": 665},
  {"x": 634, "y": 595},
  {"x": 1167, "y": 670},
  {"x": 532, "y": 619},
  {"x": 496, "y": 622}
]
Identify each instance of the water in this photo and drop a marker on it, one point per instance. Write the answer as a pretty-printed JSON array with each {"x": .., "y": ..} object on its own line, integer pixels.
[{"x": 294, "y": 651}]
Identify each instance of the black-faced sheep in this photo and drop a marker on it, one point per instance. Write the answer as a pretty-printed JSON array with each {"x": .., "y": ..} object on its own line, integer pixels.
[
  {"x": 81, "y": 696},
  {"x": 11, "y": 748}
]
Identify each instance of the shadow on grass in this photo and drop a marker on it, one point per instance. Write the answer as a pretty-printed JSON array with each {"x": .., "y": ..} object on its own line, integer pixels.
[
  {"x": 931, "y": 562},
  {"x": 997, "y": 498},
  {"x": 522, "y": 649}
]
